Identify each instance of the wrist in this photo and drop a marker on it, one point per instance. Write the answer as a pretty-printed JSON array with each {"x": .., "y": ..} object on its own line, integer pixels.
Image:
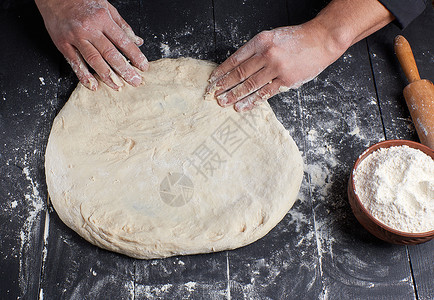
[
  {"x": 345, "y": 22},
  {"x": 334, "y": 39}
]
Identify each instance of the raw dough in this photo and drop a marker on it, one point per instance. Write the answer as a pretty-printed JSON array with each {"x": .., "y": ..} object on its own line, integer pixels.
[{"x": 157, "y": 171}]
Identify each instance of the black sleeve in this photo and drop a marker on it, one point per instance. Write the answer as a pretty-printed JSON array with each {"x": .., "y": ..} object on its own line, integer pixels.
[
  {"x": 405, "y": 11},
  {"x": 13, "y": 4}
]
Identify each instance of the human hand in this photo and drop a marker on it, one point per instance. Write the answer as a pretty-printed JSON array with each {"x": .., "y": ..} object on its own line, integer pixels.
[
  {"x": 272, "y": 62},
  {"x": 92, "y": 32}
]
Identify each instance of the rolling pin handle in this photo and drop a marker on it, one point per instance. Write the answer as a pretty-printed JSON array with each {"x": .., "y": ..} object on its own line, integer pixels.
[{"x": 406, "y": 58}]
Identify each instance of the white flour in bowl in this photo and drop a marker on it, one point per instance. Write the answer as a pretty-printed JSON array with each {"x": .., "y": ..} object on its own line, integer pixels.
[{"x": 396, "y": 185}]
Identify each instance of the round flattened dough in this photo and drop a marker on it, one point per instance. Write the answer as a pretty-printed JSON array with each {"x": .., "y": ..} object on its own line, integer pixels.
[{"x": 157, "y": 171}]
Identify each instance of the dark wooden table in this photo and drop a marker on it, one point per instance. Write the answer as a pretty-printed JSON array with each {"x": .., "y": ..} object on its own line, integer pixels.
[{"x": 319, "y": 250}]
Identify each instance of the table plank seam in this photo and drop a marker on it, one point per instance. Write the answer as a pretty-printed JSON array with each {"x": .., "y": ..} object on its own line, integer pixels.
[
  {"x": 412, "y": 273},
  {"x": 375, "y": 87},
  {"x": 214, "y": 24}
]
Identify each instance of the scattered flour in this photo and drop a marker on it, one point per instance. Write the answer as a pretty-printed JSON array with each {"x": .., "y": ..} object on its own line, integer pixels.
[
  {"x": 190, "y": 286},
  {"x": 396, "y": 185},
  {"x": 35, "y": 205},
  {"x": 165, "y": 50}
]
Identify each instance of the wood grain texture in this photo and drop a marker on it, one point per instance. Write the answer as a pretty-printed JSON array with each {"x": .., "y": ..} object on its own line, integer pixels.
[
  {"x": 73, "y": 268},
  {"x": 28, "y": 84},
  {"x": 236, "y": 22},
  {"x": 303, "y": 11},
  {"x": 422, "y": 264},
  {"x": 390, "y": 82},
  {"x": 177, "y": 28},
  {"x": 284, "y": 264},
  {"x": 389, "y": 77},
  {"x": 341, "y": 120}
]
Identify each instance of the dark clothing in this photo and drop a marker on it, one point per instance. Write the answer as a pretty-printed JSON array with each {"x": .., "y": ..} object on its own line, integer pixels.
[{"x": 405, "y": 11}]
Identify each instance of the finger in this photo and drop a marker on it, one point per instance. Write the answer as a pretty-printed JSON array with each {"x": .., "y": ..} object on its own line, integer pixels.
[
  {"x": 238, "y": 75},
  {"x": 247, "y": 87},
  {"x": 260, "y": 96},
  {"x": 120, "y": 39},
  {"x": 242, "y": 54},
  {"x": 124, "y": 26},
  {"x": 79, "y": 67},
  {"x": 117, "y": 61},
  {"x": 95, "y": 60}
]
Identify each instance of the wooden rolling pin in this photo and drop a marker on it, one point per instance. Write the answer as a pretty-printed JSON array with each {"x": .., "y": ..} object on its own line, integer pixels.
[{"x": 419, "y": 94}]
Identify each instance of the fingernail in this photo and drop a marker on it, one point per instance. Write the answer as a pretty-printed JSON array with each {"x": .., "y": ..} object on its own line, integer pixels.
[
  {"x": 93, "y": 84},
  {"x": 245, "y": 104},
  {"x": 215, "y": 75},
  {"x": 136, "y": 80},
  {"x": 213, "y": 78},
  {"x": 210, "y": 88},
  {"x": 222, "y": 99},
  {"x": 116, "y": 80},
  {"x": 240, "y": 106},
  {"x": 144, "y": 65},
  {"x": 138, "y": 41}
]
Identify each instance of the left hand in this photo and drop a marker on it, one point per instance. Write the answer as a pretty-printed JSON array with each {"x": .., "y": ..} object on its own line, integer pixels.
[
  {"x": 93, "y": 32},
  {"x": 272, "y": 62}
]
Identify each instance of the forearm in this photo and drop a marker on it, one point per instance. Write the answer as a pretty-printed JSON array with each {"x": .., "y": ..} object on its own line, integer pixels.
[
  {"x": 283, "y": 58},
  {"x": 349, "y": 21}
]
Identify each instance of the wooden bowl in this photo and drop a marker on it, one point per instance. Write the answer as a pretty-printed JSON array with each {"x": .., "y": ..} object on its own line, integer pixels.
[{"x": 367, "y": 220}]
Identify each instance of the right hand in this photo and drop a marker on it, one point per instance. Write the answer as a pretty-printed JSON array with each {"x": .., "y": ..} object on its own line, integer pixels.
[
  {"x": 92, "y": 32},
  {"x": 273, "y": 61}
]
